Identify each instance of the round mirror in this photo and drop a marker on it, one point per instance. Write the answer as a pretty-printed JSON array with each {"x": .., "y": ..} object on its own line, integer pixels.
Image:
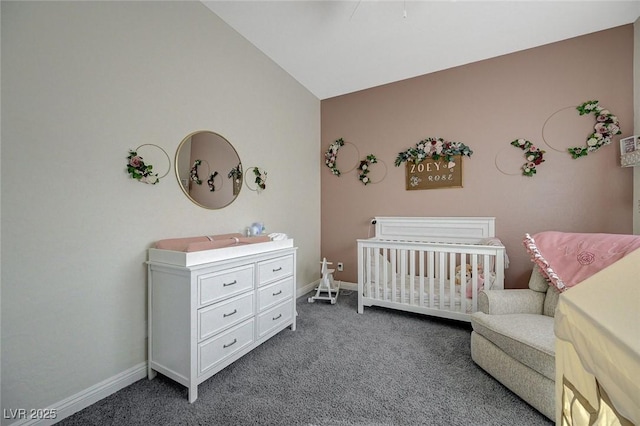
[{"x": 208, "y": 169}]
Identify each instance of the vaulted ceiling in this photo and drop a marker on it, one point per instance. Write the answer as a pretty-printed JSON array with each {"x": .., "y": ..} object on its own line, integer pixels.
[{"x": 337, "y": 47}]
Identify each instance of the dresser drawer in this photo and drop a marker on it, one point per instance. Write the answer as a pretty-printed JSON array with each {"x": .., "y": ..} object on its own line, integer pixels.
[
  {"x": 219, "y": 285},
  {"x": 219, "y": 348},
  {"x": 215, "y": 318},
  {"x": 275, "y": 293},
  {"x": 274, "y": 269},
  {"x": 269, "y": 320}
]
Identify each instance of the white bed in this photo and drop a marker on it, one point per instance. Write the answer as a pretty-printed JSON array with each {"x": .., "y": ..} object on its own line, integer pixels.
[{"x": 411, "y": 264}]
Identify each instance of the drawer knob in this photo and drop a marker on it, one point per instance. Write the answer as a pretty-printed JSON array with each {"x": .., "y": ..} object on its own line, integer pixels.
[
  {"x": 230, "y": 344},
  {"x": 231, "y": 283},
  {"x": 277, "y": 269},
  {"x": 277, "y": 293},
  {"x": 277, "y": 318},
  {"x": 228, "y": 315}
]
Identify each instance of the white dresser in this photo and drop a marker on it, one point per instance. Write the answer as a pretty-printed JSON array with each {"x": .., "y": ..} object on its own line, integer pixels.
[{"x": 209, "y": 308}]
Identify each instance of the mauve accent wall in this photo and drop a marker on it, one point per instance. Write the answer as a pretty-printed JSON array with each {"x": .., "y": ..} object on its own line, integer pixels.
[{"x": 486, "y": 105}]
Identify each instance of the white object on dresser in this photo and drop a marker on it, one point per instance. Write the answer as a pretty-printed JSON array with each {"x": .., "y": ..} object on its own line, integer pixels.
[{"x": 208, "y": 310}]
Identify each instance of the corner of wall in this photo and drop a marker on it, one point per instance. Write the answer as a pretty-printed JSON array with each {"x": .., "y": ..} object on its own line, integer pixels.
[{"x": 636, "y": 123}]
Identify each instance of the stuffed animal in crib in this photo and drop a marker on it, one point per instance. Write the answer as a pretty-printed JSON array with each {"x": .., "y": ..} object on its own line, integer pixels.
[
  {"x": 467, "y": 268},
  {"x": 492, "y": 277}
]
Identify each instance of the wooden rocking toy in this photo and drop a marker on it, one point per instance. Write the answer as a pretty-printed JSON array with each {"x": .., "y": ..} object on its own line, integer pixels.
[{"x": 326, "y": 285}]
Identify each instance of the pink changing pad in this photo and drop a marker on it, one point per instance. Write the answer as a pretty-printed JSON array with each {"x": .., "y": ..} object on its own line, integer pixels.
[{"x": 191, "y": 244}]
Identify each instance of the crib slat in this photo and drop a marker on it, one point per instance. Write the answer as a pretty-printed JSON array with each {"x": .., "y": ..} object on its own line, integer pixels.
[
  {"x": 488, "y": 272},
  {"x": 394, "y": 268},
  {"x": 474, "y": 282},
  {"x": 403, "y": 275},
  {"x": 486, "y": 266},
  {"x": 422, "y": 274},
  {"x": 368, "y": 253},
  {"x": 412, "y": 277},
  {"x": 441, "y": 269},
  {"x": 463, "y": 285},
  {"x": 385, "y": 274},
  {"x": 432, "y": 276},
  {"x": 452, "y": 281},
  {"x": 376, "y": 273}
]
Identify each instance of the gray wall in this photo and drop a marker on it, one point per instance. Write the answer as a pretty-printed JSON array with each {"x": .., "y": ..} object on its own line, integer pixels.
[{"x": 82, "y": 83}]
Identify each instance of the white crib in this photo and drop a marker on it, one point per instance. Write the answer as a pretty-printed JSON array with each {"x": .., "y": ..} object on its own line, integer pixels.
[{"x": 412, "y": 262}]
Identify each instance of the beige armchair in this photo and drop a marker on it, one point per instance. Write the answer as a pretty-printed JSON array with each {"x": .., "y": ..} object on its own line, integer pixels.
[{"x": 513, "y": 340}]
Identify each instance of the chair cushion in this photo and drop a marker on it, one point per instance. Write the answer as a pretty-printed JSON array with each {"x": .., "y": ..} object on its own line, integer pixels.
[{"x": 528, "y": 338}]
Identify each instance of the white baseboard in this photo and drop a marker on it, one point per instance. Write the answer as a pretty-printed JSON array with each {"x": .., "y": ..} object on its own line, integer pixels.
[
  {"x": 95, "y": 393},
  {"x": 344, "y": 285},
  {"x": 85, "y": 398}
]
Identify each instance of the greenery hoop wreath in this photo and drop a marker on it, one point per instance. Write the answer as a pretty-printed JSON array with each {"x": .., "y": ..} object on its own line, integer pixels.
[
  {"x": 331, "y": 156},
  {"x": 606, "y": 126},
  {"x": 532, "y": 154},
  {"x": 260, "y": 179},
  {"x": 141, "y": 171},
  {"x": 363, "y": 168},
  {"x": 435, "y": 149},
  {"x": 211, "y": 181},
  {"x": 235, "y": 173},
  {"x": 193, "y": 174}
]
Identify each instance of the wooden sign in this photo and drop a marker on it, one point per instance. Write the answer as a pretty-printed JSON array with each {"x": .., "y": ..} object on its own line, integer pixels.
[{"x": 431, "y": 174}]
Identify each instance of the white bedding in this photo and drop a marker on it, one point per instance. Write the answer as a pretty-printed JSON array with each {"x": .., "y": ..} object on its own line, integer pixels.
[{"x": 426, "y": 301}]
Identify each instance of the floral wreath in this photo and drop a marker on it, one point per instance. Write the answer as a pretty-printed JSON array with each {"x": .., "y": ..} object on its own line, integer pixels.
[
  {"x": 533, "y": 155},
  {"x": 363, "y": 168},
  {"x": 139, "y": 170},
  {"x": 211, "y": 182},
  {"x": 193, "y": 174},
  {"x": 607, "y": 125},
  {"x": 331, "y": 156},
  {"x": 435, "y": 149},
  {"x": 260, "y": 180},
  {"x": 235, "y": 173}
]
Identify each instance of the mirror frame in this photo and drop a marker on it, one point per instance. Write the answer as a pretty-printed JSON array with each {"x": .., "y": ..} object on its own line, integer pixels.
[{"x": 177, "y": 171}]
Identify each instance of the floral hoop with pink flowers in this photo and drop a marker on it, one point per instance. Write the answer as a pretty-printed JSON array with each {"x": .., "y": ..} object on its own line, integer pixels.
[
  {"x": 607, "y": 125},
  {"x": 141, "y": 171},
  {"x": 532, "y": 154},
  {"x": 331, "y": 156}
]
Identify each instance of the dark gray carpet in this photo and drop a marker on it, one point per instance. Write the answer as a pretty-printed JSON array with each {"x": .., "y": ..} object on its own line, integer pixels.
[{"x": 339, "y": 368}]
